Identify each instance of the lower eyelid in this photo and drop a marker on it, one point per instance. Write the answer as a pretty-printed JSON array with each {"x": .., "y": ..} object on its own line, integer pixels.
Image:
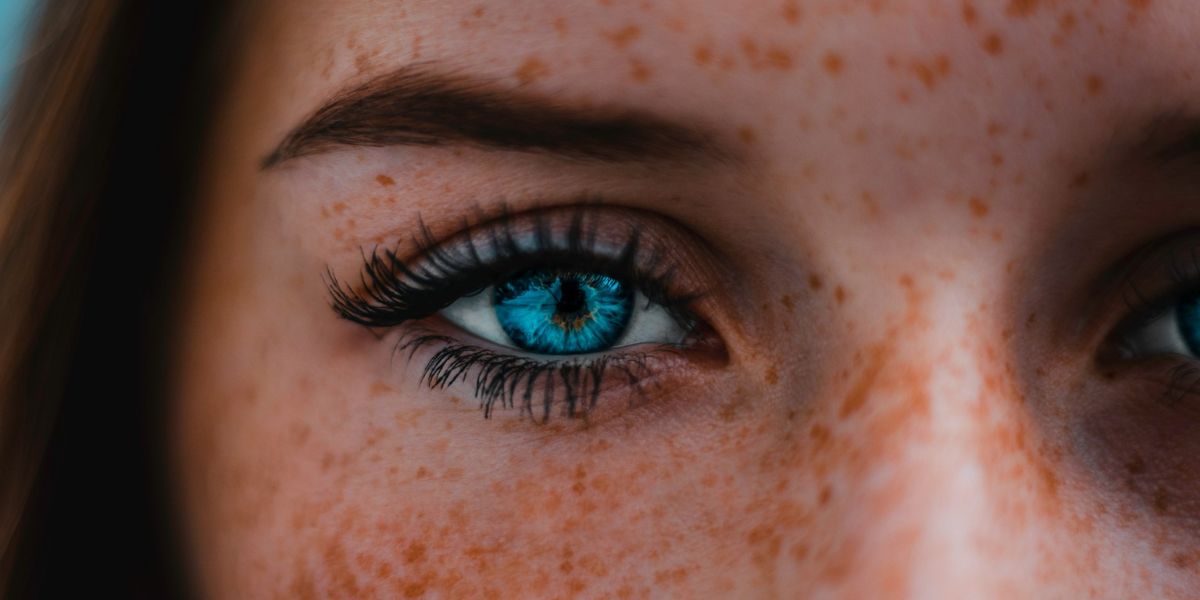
[{"x": 571, "y": 387}]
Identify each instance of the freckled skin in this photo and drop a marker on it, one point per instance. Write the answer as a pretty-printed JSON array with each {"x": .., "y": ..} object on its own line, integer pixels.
[{"x": 900, "y": 414}]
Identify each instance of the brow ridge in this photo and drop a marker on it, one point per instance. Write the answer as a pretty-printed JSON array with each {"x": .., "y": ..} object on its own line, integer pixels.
[{"x": 418, "y": 106}]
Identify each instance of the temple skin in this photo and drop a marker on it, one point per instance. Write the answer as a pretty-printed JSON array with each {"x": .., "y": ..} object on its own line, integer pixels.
[{"x": 909, "y": 240}]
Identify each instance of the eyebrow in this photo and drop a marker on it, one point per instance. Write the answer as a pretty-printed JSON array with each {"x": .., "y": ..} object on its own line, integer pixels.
[{"x": 417, "y": 106}]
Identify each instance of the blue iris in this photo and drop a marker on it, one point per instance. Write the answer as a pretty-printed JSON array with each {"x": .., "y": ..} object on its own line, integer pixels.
[
  {"x": 1189, "y": 321},
  {"x": 550, "y": 311}
]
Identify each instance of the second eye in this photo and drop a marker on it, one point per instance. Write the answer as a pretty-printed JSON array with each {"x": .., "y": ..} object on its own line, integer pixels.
[
  {"x": 1175, "y": 331},
  {"x": 559, "y": 311}
]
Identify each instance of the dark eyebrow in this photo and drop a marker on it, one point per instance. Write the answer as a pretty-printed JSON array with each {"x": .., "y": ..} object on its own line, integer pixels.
[{"x": 418, "y": 106}]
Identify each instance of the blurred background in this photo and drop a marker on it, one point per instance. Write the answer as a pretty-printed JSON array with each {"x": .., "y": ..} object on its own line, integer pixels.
[{"x": 14, "y": 14}]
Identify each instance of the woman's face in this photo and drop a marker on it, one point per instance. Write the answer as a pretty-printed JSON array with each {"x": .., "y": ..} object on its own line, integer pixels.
[{"x": 862, "y": 298}]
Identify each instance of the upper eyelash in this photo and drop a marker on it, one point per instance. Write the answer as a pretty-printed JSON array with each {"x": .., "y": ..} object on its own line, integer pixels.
[
  {"x": 391, "y": 292},
  {"x": 1144, "y": 309}
]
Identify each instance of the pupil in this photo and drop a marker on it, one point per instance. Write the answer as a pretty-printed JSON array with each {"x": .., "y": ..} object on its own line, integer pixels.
[{"x": 572, "y": 301}]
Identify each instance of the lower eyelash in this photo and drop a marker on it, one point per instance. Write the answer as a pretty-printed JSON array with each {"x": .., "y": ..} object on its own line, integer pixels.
[
  {"x": 1183, "y": 382},
  {"x": 509, "y": 381}
]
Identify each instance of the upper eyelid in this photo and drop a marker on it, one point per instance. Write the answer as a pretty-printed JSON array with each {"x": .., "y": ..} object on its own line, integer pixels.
[
  {"x": 437, "y": 260},
  {"x": 1148, "y": 281}
]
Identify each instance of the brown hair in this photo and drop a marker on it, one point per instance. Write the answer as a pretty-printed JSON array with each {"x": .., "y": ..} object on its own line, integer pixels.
[{"x": 99, "y": 141}]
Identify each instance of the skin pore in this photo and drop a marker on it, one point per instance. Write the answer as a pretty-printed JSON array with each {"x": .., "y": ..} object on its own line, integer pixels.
[{"x": 913, "y": 227}]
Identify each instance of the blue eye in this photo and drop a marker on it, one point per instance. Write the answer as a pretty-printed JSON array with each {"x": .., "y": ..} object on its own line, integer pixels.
[
  {"x": 557, "y": 312},
  {"x": 1175, "y": 331},
  {"x": 562, "y": 312},
  {"x": 1188, "y": 315}
]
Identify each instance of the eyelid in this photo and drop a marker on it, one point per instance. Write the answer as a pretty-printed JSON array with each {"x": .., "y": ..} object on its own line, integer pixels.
[
  {"x": 1148, "y": 285},
  {"x": 635, "y": 245}
]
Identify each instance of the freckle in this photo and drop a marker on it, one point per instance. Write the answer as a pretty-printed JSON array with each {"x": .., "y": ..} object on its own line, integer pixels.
[
  {"x": 362, "y": 62},
  {"x": 1137, "y": 4},
  {"x": 702, "y": 54},
  {"x": 1066, "y": 23},
  {"x": 857, "y": 396},
  {"x": 339, "y": 207},
  {"x": 772, "y": 376},
  {"x": 746, "y": 134},
  {"x": 531, "y": 70},
  {"x": 414, "y": 590},
  {"x": 979, "y": 208},
  {"x": 833, "y": 63},
  {"x": 969, "y": 14},
  {"x": 1095, "y": 85},
  {"x": 749, "y": 47},
  {"x": 1180, "y": 560},
  {"x": 384, "y": 180},
  {"x": 995, "y": 129},
  {"x": 1161, "y": 504},
  {"x": 825, "y": 496},
  {"x": 839, "y": 294},
  {"x": 422, "y": 472},
  {"x": 925, "y": 74},
  {"x": 788, "y": 302},
  {"x": 993, "y": 44},
  {"x": 414, "y": 553},
  {"x": 1080, "y": 180},
  {"x": 560, "y": 25},
  {"x": 779, "y": 58},
  {"x": 338, "y": 234},
  {"x": 624, "y": 36},
  {"x": 941, "y": 63},
  {"x": 930, "y": 74},
  {"x": 639, "y": 71},
  {"x": 791, "y": 12},
  {"x": 814, "y": 282},
  {"x": 1022, "y": 8}
]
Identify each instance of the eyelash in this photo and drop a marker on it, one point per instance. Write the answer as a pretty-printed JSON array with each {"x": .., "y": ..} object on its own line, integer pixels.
[
  {"x": 1143, "y": 309},
  {"x": 1183, "y": 378},
  {"x": 392, "y": 293},
  {"x": 503, "y": 378}
]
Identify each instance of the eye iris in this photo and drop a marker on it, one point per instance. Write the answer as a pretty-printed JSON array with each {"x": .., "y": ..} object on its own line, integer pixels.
[
  {"x": 563, "y": 312},
  {"x": 1189, "y": 321}
]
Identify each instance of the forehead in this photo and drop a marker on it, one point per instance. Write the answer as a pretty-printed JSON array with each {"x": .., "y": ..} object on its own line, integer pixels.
[{"x": 937, "y": 98}]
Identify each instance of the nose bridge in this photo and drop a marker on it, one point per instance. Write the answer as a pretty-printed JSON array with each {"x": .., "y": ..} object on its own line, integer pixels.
[{"x": 935, "y": 414}]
